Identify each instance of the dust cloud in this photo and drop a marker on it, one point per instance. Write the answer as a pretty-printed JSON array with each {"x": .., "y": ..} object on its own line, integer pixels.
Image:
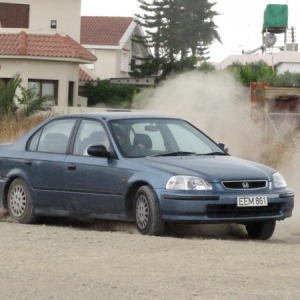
[
  {"x": 218, "y": 105},
  {"x": 215, "y": 103}
]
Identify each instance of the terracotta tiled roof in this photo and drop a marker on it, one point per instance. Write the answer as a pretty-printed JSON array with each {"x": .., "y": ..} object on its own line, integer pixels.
[
  {"x": 42, "y": 45},
  {"x": 103, "y": 30},
  {"x": 84, "y": 76}
]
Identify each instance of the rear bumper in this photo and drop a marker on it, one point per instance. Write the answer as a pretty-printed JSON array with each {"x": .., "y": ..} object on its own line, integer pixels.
[{"x": 222, "y": 207}]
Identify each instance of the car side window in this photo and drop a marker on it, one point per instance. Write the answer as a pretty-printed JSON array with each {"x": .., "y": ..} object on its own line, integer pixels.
[
  {"x": 33, "y": 143},
  {"x": 90, "y": 133},
  {"x": 55, "y": 136}
]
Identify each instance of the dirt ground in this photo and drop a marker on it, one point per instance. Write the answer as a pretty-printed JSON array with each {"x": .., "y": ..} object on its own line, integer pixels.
[{"x": 106, "y": 260}]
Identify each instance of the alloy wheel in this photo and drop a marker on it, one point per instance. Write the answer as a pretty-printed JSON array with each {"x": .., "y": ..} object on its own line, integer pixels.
[
  {"x": 18, "y": 201},
  {"x": 142, "y": 212}
]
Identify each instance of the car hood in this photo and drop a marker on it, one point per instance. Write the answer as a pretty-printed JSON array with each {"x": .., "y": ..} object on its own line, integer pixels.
[{"x": 211, "y": 168}]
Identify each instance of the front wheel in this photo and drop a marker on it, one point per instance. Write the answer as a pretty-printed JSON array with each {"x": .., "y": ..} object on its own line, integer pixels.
[
  {"x": 261, "y": 230},
  {"x": 19, "y": 202},
  {"x": 147, "y": 212}
]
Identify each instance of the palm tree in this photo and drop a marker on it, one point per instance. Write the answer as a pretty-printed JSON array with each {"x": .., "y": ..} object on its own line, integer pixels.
[
  {"x": 29, "y": 102},
  {"x": 7, "y": 95}
]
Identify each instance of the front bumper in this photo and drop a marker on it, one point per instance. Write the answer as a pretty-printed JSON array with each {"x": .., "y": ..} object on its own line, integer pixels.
[{"x": 221, "y": 207}]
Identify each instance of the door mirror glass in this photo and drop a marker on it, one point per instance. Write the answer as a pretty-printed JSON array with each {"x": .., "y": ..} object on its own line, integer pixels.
[{"x": 98, "y": 151}]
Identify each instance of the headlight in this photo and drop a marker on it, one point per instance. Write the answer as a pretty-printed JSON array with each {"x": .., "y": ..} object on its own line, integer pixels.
[
  {"x": 279, "y": 181},
  {"x": 187, "y": 183}
]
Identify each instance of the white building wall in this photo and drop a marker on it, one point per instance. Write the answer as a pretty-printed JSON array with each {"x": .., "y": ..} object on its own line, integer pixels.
[
  {"x": 67, "y": 13},
  {"x": 106, "y": 65},
  {"x": 291, "y": 67},
  {"x": 128, "y": 49},
  {"x": 109, "y": 61},
  {"x": 46, "y": 70}
]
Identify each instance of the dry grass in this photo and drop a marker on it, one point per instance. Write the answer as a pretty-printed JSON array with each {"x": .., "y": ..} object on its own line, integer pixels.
[{"x": 11, "y": 128}]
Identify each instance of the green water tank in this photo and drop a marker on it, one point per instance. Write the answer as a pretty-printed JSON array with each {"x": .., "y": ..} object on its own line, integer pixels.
[{"x": 275, "y": 18}]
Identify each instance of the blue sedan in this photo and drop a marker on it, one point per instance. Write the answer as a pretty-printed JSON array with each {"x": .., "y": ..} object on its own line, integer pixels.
[{"x": 141, "y": 168}]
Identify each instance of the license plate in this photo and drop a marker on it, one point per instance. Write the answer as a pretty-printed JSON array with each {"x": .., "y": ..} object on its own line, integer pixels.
[{"x": 247, "y": 201}]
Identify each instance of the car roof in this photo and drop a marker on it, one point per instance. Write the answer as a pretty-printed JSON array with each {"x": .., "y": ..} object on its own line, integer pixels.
[{"x": 117, "y": 115}]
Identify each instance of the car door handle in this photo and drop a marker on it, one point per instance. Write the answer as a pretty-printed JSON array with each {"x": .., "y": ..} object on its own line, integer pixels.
[
  {"x": 27, "y": 162},
  {"x": 71, "y": 167}
]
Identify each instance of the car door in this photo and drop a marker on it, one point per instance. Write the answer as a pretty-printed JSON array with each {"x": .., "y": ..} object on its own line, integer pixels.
[
  {"x": 94, "y": 184},
  {"x": 44, "y": 163}
]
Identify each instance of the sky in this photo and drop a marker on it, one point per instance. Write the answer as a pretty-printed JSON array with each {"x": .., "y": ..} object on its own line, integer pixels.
[{"x": 240, "y": 21}]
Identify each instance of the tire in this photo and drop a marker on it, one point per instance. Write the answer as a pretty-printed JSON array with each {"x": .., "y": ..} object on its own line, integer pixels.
[
  {"x": 261, "y": 230},
  {"x": 147, "y": 212},
  {"x": 19, "y": 202}
]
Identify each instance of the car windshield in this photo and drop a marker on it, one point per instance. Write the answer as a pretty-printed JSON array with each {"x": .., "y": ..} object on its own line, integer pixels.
[{"x": 161, "y": 137}]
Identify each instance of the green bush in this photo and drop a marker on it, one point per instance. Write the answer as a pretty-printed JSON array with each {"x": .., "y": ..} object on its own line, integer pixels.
[
  {"x": 109, "y": 94},
  {"x": 251, "y": 72},
  {"x": 287, "y": 79}
]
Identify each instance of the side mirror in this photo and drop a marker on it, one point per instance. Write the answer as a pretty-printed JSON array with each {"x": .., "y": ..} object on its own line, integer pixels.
[
  {"x": 98, "y": 151},
  {"x": 224, "y": 147}
]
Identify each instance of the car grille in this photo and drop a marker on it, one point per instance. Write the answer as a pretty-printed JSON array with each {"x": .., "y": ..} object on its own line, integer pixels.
[
  {"x": 245, "y": 185},
  {"x": 232, "y": 211}
]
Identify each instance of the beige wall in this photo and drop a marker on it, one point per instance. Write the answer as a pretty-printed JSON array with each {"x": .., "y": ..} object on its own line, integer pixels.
[
  {"x": 128, "y": 48},
  {"x": 47, "y": 70},
  {"x": 66, "y": 12},
  {"x": 109, "y": 61},
  {"x": 106, "y": 64}
]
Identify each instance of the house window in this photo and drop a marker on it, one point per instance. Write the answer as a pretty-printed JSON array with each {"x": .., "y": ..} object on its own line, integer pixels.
[
  {"x": 45, "y": 87},
  {"x": 53, "y": 24},
  {"x": 5, "y": 80},
  {"x": 14, "y": 15},
  {"x": 71, "y": 93},
  {"x": 55, "y": 137},
  {"x": 124, "y": 61}
]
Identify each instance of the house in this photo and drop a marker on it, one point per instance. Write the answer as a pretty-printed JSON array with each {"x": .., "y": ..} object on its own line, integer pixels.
[
  {"x": 42, "y": 16},
  {"x": 282, "y": 61},
  {"x": 110, "y": 40},
  {"x": 47, "y": 62},
  {"x": 44, "y": 50}
]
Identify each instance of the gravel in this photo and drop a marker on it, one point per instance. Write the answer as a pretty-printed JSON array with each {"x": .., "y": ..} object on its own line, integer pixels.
[{"x": 109, "y": 260}]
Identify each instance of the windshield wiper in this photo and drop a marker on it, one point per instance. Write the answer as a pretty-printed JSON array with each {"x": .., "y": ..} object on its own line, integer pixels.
[
  {"x": 215, "y": 153},
  {"x": 178, "y": 153}
]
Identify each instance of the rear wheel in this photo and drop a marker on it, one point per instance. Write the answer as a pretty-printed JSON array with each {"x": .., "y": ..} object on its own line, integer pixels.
[
  {"x": 261, "y": 230},
  {"x": 19, "y": 202},
  {"x": 147, "y": 212}
]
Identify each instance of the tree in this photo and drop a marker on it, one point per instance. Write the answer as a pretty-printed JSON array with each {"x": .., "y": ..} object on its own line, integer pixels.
[
  {"x": 206, "y": 67},
  {"x": 178, "y": 31},
  {"x": 7, "y": 95},
  {"x": 153, "y": 22},
  {"x": 29, "y": 100}
]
